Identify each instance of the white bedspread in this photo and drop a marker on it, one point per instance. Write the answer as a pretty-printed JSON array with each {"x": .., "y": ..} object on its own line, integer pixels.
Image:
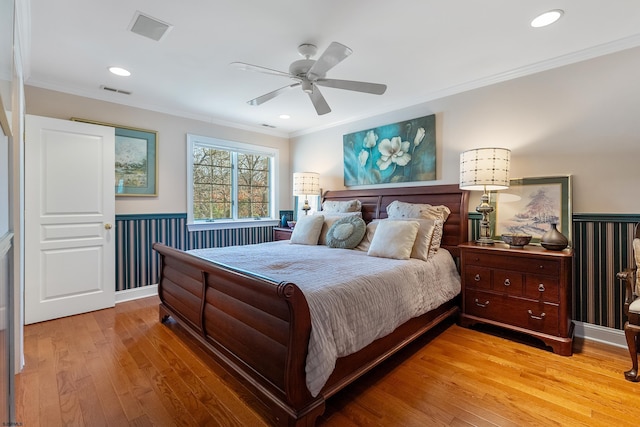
[{"x": 353, "y": 298}]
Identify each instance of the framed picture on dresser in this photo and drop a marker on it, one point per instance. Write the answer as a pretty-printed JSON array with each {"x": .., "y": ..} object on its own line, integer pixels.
[{"x": 531, "y": 205}]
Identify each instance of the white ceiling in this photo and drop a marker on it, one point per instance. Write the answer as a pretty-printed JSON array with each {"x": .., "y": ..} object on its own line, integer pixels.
[{"x": 421, "y": 49}]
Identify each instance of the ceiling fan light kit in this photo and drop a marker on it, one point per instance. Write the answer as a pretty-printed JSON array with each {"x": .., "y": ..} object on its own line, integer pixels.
[{"x": 310, "y": 74}]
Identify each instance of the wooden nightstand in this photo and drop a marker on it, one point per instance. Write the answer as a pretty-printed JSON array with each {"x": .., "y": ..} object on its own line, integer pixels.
[
  {"x": 527, "y": 290},
  {"x": 280, "y": 233}
]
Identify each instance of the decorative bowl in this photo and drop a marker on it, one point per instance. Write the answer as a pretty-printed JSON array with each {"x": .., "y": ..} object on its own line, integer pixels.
[
  {"x": 291, "y": 224},
  {"x": 515, "y": 240}
]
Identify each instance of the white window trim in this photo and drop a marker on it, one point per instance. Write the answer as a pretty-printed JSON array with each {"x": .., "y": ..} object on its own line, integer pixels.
[{"x": 193, "y": 225}]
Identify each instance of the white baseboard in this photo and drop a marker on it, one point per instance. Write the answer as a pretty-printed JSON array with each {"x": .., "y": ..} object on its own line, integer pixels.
[
  {"x": 588, "y": 331},
  {"x": 136, "y": 293},
  {"x": 601, "y": 334}
]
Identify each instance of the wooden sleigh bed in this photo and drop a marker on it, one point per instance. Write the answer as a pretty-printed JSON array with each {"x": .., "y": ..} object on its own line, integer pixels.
[{"x": 258, "y": 329}]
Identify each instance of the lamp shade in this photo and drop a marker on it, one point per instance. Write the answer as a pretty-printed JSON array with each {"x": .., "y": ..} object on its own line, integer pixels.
[
  {"x": 306, "y": 183},
  {"x": 485, "y": 169}
]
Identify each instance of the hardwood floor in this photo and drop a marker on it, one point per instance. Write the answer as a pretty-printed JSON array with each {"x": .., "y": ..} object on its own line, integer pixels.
[{"x": 121, "y": 366}]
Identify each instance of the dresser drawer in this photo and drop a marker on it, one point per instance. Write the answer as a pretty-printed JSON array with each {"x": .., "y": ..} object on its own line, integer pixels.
[
  {"x": 477, "y": 277},
  {"x": 282, "y": 234},
  {"x": 504, "y": 281},
  {"x": 542, "y": 288},
  {"x": 530, "y": 264},
  {"x": 486, "y": 305},
  {"x": 508, "y": 282},
  {"x": 532, "y": 315},
  {"x": 536, "y": 316}
]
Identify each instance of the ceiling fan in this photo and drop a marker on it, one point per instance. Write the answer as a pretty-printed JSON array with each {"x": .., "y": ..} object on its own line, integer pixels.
[{"x": 310, "y": 73}]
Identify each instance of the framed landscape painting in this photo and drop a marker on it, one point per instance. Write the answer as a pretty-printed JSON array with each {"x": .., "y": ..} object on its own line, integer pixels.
[
  {"x": 531, "y": 205},
  {"x": 398, "y": 152},
  {"x": 136, "y": 162}
]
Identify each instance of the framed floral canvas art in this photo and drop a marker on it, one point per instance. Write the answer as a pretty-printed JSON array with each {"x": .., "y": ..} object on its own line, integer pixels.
[{"x": 398, "y": 152}]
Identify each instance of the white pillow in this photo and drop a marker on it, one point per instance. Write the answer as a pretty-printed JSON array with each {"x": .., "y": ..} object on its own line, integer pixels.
[
  {"x": 329, "y": 219},
  {"x": 394, "y": 239},
  {"x": 398, "y": 209},
  {"x": 336, "y": 206},
  {"x": 365, "y": 243},
  {"x": 436, "y": 239},
  {"x": 307, "y": 230},
  {"x": 422, "y": 244}
]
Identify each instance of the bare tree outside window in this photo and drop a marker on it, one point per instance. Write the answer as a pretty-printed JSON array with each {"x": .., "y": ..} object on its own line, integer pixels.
[
  {"x": 253, "y": 186},
  {"x": 211, "y": 183},
  {"x": 229, "y": 184}
]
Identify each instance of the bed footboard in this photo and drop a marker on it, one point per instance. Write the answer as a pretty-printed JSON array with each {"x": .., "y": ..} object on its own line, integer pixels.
[{"x": 255, "y": 328}]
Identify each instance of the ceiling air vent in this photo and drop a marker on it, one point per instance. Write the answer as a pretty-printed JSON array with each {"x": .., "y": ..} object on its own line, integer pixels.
[
  {"x": 111, "y": 89},
  {"x": 268, "y": 126},
  {"x": 147, "y": 26}
]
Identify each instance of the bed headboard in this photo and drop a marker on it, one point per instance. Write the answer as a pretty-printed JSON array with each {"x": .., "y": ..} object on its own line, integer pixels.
[{"x": 375, "y": 201}]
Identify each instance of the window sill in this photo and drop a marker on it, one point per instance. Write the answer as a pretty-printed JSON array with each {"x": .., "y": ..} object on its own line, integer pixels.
[{"x": 225, "y": 225}]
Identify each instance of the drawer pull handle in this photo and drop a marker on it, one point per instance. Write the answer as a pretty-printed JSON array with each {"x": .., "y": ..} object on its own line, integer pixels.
[
  {"x": 507, "y": 282},
  {"x": 479, "y": 304},
  {"x": 541, "y": 267},
  {"x": 534, "y": 316},
  {"x": 477, "y": 278},
  {"x": 541, "y": 287}
]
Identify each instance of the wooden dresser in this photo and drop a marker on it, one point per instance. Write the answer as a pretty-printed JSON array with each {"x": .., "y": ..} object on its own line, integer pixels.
[
  {"x": 527, "y": 290},
  {"x": 280, "y": 233}
]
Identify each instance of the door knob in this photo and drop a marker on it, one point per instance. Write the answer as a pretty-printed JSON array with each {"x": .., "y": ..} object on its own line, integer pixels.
[{"x": 107, "y": 226}]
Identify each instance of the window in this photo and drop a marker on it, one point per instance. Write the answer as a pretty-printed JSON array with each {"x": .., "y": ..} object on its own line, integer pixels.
[{"x": 229, "y": 184}]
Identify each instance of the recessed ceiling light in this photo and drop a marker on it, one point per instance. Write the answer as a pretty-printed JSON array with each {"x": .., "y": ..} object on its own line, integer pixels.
[
  {"x": 547, "y": 18},
  {"x": 285, "y": 116},
  {"x": 119, "y": 71}
]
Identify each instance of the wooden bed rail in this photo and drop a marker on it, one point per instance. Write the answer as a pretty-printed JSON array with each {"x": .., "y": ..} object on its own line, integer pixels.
[{"x": 256, "y": 328}]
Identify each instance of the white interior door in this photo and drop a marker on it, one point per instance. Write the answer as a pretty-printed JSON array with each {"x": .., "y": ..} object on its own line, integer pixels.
[{"x": 69, "y": 213}]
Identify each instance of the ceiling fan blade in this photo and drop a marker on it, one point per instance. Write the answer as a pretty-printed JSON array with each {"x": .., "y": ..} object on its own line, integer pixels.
[
  {"x": 250, "y": 67},
  {"x": 267, "y": 96},
  {"x": 373, "y": 88},
  {"x": 319, "y": 102},
  {"x": 334, "y": 54}
]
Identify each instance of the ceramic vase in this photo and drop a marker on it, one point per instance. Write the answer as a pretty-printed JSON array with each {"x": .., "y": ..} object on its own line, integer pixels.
[{"x": 554, "y": 240}]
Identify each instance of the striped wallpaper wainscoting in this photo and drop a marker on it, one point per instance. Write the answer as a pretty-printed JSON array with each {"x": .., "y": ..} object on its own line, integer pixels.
[
  {"x": 137, "y": 263},
  {"x": 602, "y": 247}
]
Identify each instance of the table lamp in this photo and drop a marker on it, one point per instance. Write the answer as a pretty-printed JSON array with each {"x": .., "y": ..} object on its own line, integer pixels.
[
  {"x": 485, "y": 169},
  {"x": 306, "y": 184}
]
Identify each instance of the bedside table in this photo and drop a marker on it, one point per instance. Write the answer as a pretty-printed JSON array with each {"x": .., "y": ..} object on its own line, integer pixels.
[
  {"x": 280, "y": 233},
  {"x": 527, "y": 290}
]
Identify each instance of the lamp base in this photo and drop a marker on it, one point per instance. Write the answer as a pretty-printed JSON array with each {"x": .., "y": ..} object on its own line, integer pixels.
[
  {"x": 485, "y": 241},
  {"x": 306, "y": 208},
  {"x": 485, "y": 228}
]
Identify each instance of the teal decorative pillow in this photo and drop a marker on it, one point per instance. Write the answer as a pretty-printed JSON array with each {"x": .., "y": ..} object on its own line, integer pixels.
[{"x": 346, "y": 232}]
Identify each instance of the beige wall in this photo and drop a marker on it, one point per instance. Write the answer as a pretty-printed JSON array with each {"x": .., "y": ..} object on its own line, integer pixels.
[
  {"x": 172, "y": 140},
  {"x": 581, "y": 120}
]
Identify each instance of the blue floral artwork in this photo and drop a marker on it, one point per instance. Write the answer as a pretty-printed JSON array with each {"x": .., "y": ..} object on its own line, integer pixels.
[{"x": 398, "y": 152}]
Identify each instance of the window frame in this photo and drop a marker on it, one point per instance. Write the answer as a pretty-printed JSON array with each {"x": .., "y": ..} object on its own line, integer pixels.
[{"x": 237, "y": 147}]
